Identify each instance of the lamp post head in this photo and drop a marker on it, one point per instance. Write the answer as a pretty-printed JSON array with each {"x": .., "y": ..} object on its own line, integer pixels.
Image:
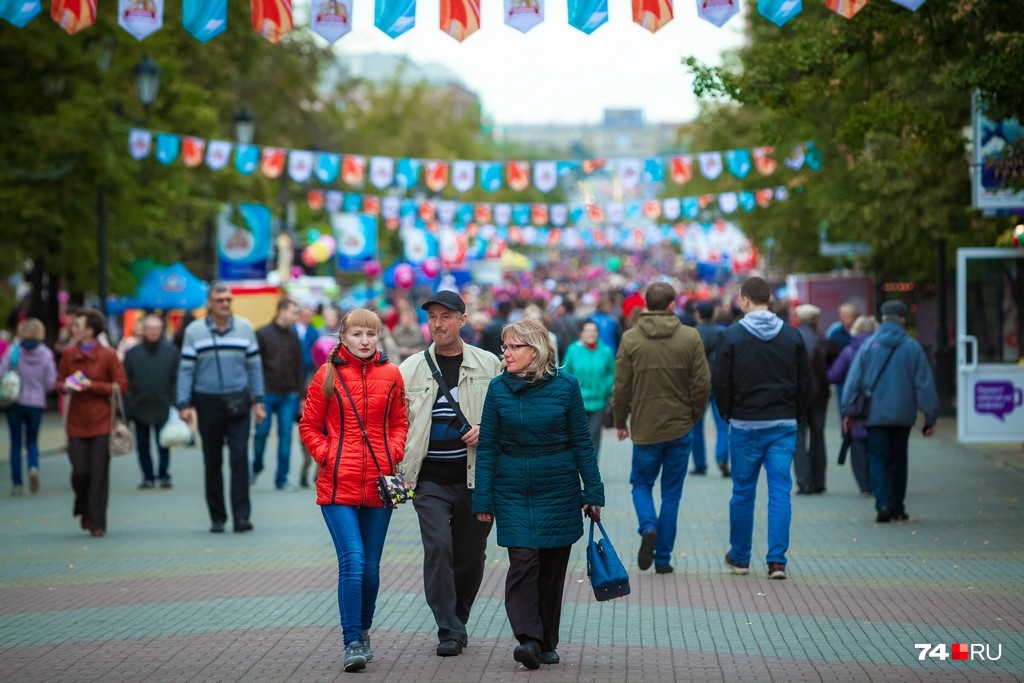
[
  {"x": 245, "y": 126},
  {"x": 147, "y": 80}
]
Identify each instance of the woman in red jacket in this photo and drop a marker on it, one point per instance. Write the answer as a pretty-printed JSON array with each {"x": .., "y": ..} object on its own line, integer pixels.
[{"x": 356, "y": 386}]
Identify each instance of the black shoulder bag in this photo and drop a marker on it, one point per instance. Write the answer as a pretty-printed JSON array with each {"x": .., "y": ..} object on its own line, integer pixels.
[
  {"x": 436, "y": 374},
  {"x": 860, "y": 404},
  {"x": 393, "y": 488}
]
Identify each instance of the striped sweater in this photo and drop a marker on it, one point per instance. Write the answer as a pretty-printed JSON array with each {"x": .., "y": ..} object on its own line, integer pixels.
[{"x": 238, "y": 353}]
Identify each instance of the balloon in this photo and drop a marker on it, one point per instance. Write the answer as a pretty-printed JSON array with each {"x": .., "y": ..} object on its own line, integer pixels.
[
  {"x": 614, "y": 263},
  {"x": 308, "y": 258},
  {"x": 312, "y": 235},
  {"x": 328, "y": 241},
  {"x": 371, "y": 268},
  {"x": 405, "y": 277},
  {"x": 431, "y": 267},
  {"x": 296, "y": 272}
]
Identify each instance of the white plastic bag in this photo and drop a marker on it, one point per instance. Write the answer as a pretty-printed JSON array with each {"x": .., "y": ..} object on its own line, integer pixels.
[{"x": 176, "y": 433}]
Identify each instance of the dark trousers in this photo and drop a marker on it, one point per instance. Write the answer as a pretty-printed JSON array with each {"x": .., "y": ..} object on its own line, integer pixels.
[
  {"x": 861, "y": 464},
  {"x": 533, "y": 593},
  {"x": 594, "y": 421},
  {"x": 215, "y": 427},
  {"x": 143, "y": 430},
  {"x": 454, "y": 550},
  {"x": 887, "y": 449},
  {"x": 809, "y": 462},
  {"x": 90, "y": 478}
]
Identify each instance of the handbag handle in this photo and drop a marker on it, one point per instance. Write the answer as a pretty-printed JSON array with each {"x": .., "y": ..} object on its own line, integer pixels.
[
  {"x": 362, "y": 429},
  {"x": 116, "y": 406}
]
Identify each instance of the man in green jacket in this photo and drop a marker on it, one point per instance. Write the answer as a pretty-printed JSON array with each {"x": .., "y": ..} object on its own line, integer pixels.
[{"x": 662, "y": 383}]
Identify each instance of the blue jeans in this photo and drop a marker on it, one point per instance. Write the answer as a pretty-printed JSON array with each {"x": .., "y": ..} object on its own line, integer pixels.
[
  {"x": 750, "y": 449},
  {"x": 358, "y": 534},
  {"x": 142, "y": 443},
  {"x": 284, "y": 407},
  {"x": 671, "y": 458},
  {"x": 700, "y": 458},
  {"x": 23, "y": 418}
]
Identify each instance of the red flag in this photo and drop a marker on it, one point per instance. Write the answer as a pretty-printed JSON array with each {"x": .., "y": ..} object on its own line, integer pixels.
[
  {"x": 192, "y": 151},
  {"x": 353, "y": 170},
  {"x": 73, "y": 15},
  {"x": 764, "y": 160},
  {"x": 435, "y": 176},
  {"x": 272, "y": 19},
  {"x": 680, "y": 169},
  {"x": 484, "y": 213},
  {"x": 518, "y": 175},
  {"x": 272, "y": 162},
  {"x": 652, "y": 14},
  {"x": 371, "y": 205},
  {"x": 539, "y": 214},
  {"x": 460, "y": 18}
]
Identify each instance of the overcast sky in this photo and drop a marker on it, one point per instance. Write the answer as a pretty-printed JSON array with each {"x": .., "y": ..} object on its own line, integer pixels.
[{"x": 555, "y": 73}]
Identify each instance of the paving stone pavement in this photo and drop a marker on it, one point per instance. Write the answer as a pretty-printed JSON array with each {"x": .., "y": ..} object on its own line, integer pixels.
[{"x": 161, "y": 599}]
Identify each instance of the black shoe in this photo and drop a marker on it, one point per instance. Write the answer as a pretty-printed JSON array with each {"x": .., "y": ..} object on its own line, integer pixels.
[
  {"x": 645, "y": 558},
  {"x": 663, "y": 568},
  {"x": 901, "y": 517},
  {"x": 803, "y": 491},
  {"x": 883, "y": 516},
  {"x": 449, "y": 648},
  {"x": 725, "y": 470},
  {"x": 548, "y": 658},
  {"x": 243, "y": 525},
  {"x": 147, "y": 484},
  {"x": 165, "y": 484},
  {"x": 528, "y": 654},
  {"x": 819, "y": 489},
  {"x": 304, "y": 483},
  {"x": 699, "y": 470},
  {"x": 217, "y": 528}
]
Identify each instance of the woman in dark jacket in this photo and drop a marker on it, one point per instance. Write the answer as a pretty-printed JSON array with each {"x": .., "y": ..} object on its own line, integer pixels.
[
  {"x": 534, "y": 449},
  {"x": 354, "y": 422},
  {"x": 862, "y": 328}
]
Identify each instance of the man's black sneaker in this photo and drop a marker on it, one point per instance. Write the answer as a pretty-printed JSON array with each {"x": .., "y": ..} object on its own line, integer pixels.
[{"x": 645, "y": 558}]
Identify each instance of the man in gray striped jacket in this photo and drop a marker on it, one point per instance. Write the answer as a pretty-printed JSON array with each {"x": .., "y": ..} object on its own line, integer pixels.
[{"x": 220, "y": 382}]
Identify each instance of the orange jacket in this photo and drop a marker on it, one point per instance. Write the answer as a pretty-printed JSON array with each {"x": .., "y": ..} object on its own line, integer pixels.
[
  {"x": 89, "y": 414},
  {"x": 329, "y": 429}
]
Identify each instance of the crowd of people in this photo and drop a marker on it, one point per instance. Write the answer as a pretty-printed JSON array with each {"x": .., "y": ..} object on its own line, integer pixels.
[{"x": 490, "y": 405}]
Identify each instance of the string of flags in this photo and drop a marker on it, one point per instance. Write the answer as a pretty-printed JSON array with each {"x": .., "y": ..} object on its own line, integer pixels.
[
  {"x": 332, "y": 19},
  {"x": 382, "y": 172}
]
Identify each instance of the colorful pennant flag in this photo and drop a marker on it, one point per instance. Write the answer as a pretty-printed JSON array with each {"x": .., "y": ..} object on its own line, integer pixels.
[
  {"x": 407, "y": 172},
  {"x": 717, "y": 12},
  {"x": 681, "y": 169},
  {"x": 435, "y": 175},
  {"x": 490, "y": 176},
  {"x": 795, "y": 159},
  {"x": 764, "y": 160},
  {"x": 20, "y": 12},
  {"x": 140, "y": 17},
  {"x": 545, "y": 175},
  {"x": 463, "y": 175},
  {"x": 353, "y": 170},
  {"x": 300, "y": 165},
  {"x": 738, "y": 161},
  {"x": 522, "y": 15},
  {"x": 272, "y": 162},
  {"x": 272, "y": 19},
  {"x": 218, "y": 154},
  {"x": 395, "y": 17},
  {"x": 332, "y": 200},
  {"x": 912, "y": 5},
  {"x": 382, "y": 172},
  {"x": 727, "y": 202},
  {"x": 588, "y": 15},
  {"x": 559, "y": 215},
  {"x": 671, "y": 208},
  {"x": 331, "y": 19},
  {"x": 247, "y": 158},
  {"x": 315, "y": 199},
  {"x": 140, "y": 142},
  {"x": 629, "y": 172},
  {"x": 73, "y": 15},
  {"x": 710, "y": 164},
  {"x": 517, "y": 175},
  {"x": 204, "y": 19},
  {"x": 846, "y": 8},
  {"x": 652, "y": 14},
  {"x": 193, "y": 151},
  {"x": 460, "y": 18},
  {"x": 328, "y": 166},
  {"x": 654, "y": 170},
  {"x": 813, "y": 155},
  {"x": 779, "y": 11}
]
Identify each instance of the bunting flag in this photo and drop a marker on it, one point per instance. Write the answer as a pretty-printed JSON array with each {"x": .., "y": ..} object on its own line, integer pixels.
[
  {"x": 272, "y": 162},
  {"x": 315, "y": 199},
  {"x": 167, "y": 146},
  {"x": 272, "y": 19},
  {"x": 738, "y": 161},
  {"x": 446, "y": 212},
  {"x": 517, "y": 175},
  {"x": 558, "y": 214},
  {"x": 483, "y": 213},
  {"x": 779, "y": 11},
  {"x": 463, "y": 175},
  {"x": 522, "y": 15},
  {"x": 588, "y": 15},
  {"x": 20, "y": 12},
  {"x": 710, "y": 164},
  {"x": 300, "y": 165},
  {"x": 846, "y": 8},
  {"x": 502, "y": 214},
  {"x": 545, "y": 175},
  {"x": 247, "y": 158},
  {"x": 395, "y": 17},
  {"x": 140, "y": 17},
  {"x": 654, "y": 171},
  {"x": 330, "y": 19},
  {"x": 333, "y": 201},
  {"x": 140, "y": 142},
  {"x": 812, "y": 157},
  {"x": 764, "y": 160},
  {"x": 681, "y": 169},
  {"x": 652, "y": 14},
  {"x": 389, "y": 208},
  {"x": 435, "y": 175},
  {"x": 912, "y": 5},
  {"x": 382, "y": 172},
  {"x": 193, "y": 151},
  {"x": 795, "y": 160},
  {"x": 490, "y": 176},
  {"x": 73, "y": 15},
  {"x": 764, "y": 198},
  {"x": 371, "y": 205},
  {"x": 460, "y": 18},
  {"x": 727, "y": 202},
  {"x": 671, "y": 208},
  {"x": 353, "y": 170},
  {"x": 717, "y": 12},
  {"x": 746, "y": 201},
  {"x": 204, "y": 19},
  {"x": 328, "y": 166},
  {"x": 629, "y": 172},
  {"x": 407, "y": 172},
  {"x": 218, "y": 154}
]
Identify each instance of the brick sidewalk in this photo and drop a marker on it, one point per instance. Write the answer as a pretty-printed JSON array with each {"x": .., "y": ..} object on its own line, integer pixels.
[{"x": 160, "y": 599}]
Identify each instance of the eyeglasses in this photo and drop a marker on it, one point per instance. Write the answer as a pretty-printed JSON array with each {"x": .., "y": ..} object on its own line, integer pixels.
[
  {"x": 512, "y": 347},
  {"x": 221, "y": 300}
]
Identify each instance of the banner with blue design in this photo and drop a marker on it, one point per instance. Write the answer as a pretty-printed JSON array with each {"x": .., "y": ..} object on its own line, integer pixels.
[
  {"x": 356, "y": 236},
  {"x": 20, "y": 12},
  {"x": 243, "y": 241}
]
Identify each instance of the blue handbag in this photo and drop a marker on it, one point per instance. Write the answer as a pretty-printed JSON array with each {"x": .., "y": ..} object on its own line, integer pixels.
[{"x": 607, "y": 575}]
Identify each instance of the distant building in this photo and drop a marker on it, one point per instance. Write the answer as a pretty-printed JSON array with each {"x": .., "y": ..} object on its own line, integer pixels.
[{"x": 622, "y": 133}]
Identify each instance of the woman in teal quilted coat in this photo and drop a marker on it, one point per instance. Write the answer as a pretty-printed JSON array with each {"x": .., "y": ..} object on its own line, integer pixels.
[{"x": 534, "y": 450}]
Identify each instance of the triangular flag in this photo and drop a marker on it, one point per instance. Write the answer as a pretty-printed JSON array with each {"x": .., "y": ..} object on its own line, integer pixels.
[
  {"x": 435, "y": 175},
  {"x": 204, "y": 19},
  {"x": 717, "y": 12},
  {"x": 73, "y": 15},
  {"x": 517, "y": 175},
  {"x": 681, "y": 169},
  {"x": 710, "y": 164},
  {"x": 652, "y": 14},
  {"x": 629, "y": 172},
  {"x": 671, "y": 208},
  {"x": 559, "y": 215},
  {"x": 407, "y": 172},
  {"x": 912, "y": 5},
  {"x": 272, "y": 162},
  {"x": 218, "y": 154},
  {"x": 272, "y": 19},
  {"x": 795, "y": 159},
  {"x": 247, "y": 158},
  {"x": 140, "y": 143},
  {"x": 331, "y": 19},
  {"x": 588, "y": 15},
  {"x": 167, "y": 145},
  {"x": 315, "y": 200},
  {"x": 460, "y": 18},
  {"x": 327, "y": 167},
  {"x": 333, "y": 200},
  {"x": 764, "y": 160},
  {"x": 522, "y": 15},
  {"x": 738, "y": 161},
  {"x": 727, "y": 202},
  {"x": 490, "y": 176},
  {"x": 846, "y": 8},
  {"x": 382, "y": 172},
  {"x": 779, "y": 11},
  {"x": 140, "y": 17},
  {"x": 193, "y": 150},
  {"x": 20, "y": 12},
  {"x": 395, "y": 17},
  {"x": 353, "y": 170},
  {"x": 300, "y": 165},
  {"x": 463, "y": 175},
  {"x": 545, "y": 175}
]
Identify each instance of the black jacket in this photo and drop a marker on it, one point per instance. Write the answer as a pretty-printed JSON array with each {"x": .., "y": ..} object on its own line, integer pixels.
[
  {"x": 152, "y": 377},
  {"x": 281, "y": 352}
]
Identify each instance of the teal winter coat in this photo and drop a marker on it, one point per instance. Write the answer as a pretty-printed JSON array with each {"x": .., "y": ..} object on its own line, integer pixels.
[
  {"x": 534, "y": 449},
  {"x": 595, "y": 369}
]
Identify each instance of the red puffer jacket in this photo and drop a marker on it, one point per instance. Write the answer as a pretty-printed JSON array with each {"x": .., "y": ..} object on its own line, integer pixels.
[{"x": 329, "y": 429}]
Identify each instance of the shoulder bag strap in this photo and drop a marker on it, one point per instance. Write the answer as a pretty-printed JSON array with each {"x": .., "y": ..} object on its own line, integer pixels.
[
  {"x": 436, "y": 374},
  {"x": 116, "y": 406},
  {"x": 362, "y": 428},
  {"x": 879, "y": 375}
]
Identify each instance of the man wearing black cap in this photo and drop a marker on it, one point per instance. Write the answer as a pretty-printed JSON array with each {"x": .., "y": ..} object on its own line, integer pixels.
[
  {"x": 894, "y": 370},
  {"x": 445, "y": 388}
]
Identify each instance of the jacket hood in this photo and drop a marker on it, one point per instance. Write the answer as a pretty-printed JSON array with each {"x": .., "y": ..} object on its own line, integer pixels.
[
  {"x": 764, "y": 325},
  {"x": 33, "y": 358},
  {"x": 658, "y": 324},
  {"x": 889, "y": 334}
]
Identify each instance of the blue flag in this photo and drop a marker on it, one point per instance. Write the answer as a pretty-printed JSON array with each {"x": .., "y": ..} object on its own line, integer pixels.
[
  {"x": 247, "y": 158},
  {"x": 204, "y": 19},
  {"x": 167, "y": 146},
  {"x": 20, "y": 12}
]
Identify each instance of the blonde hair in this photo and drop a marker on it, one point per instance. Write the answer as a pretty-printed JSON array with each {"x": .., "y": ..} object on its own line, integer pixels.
[
  {"x": 864, "y": 323},
  {"x": 31, "y": 328},
  {"x": 534, "y": 334},
  {"x": 357, "y": 317}
]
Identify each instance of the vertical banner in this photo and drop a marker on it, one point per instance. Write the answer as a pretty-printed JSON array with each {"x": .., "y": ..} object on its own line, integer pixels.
[
  {"x": 331, "y": 19},
  {"x": 460, "y": 18},
  {"x": 356, "y": 237},
  {"x": 204, "y": 19},
  {"x": 522, "y": 15},
  {"x": 140, "y": 17},
  {"x": 73, "y": 15},
  {"x": 243, "y": 241},
  {"x": 652, "y": 14},
  {"x": 588, "y": 15},
  {"x": 272, "y": 19},
  {"x": 20, "y": 12},
  {"x": 395, "y": 17},
  {"x": 996, "y": 168}
]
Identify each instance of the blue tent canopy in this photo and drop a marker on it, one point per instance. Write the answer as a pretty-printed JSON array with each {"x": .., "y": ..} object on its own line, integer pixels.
[{"x": 173, "y": 287}]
